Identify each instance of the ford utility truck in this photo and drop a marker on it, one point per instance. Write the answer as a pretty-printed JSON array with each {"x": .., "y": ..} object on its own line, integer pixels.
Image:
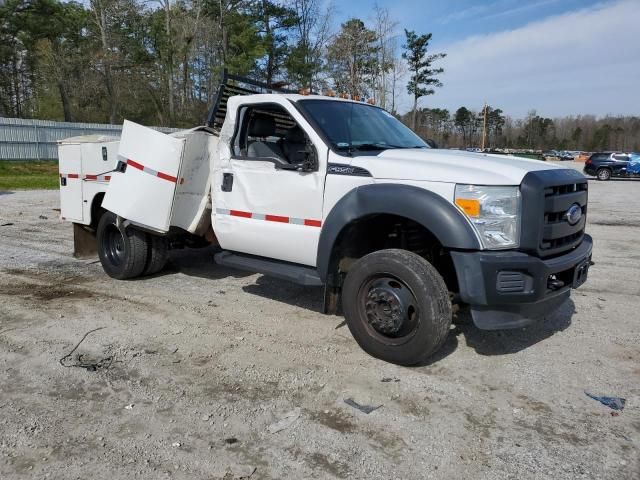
[{"x": 336, "y": 193}]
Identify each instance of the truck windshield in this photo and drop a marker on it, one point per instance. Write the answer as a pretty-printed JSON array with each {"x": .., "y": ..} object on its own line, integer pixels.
[{"x": 353, "y": 126}]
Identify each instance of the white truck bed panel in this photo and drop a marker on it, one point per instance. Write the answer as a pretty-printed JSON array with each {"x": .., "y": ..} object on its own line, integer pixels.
[
  {"x": 192, "y": 201},
  {"x": 85, "y": 163},
  {"x": 166, "y": 181},
  {"x": 144, "y": 193}
]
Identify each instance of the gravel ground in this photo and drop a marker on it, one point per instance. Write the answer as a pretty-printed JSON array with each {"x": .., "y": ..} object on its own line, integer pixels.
[{"x": 199, "y": 366}]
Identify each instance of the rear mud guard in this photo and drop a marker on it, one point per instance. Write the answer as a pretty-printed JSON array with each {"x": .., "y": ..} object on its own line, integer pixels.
[{"x": 85, "y": 244}]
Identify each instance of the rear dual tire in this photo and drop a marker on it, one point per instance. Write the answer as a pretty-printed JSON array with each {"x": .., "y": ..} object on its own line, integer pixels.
[
  {"x": 126, "y": 252},
  {"x": 397, "y": 306}
]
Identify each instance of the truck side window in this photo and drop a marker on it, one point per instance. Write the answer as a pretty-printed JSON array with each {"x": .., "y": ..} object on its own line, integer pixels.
[{"x": 268, "y": 131}]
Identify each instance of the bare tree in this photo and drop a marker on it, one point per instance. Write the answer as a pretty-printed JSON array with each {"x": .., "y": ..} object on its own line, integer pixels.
[
  {"x": 385, "y": 27},
  {"x": 305, "y": 64},
  {"x": 102, "y": 11}
]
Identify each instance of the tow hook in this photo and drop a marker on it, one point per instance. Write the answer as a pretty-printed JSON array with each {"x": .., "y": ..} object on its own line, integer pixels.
[{"x": 554, "y": 284}]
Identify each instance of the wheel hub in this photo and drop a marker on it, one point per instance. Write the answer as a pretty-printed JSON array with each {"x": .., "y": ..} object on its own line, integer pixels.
[
  {"x": 384, "y": 310},
  {"x": 114, "y": 245}
]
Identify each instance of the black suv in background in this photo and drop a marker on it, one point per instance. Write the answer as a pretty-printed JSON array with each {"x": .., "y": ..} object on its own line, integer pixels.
[{"x": 605, "y": 165}]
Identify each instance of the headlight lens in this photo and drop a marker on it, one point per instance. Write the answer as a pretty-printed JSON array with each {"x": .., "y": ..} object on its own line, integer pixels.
[{"x": 494, "y": 212}]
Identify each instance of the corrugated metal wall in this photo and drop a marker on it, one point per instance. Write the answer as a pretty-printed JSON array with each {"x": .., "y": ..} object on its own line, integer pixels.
[{"x": 22, "y": 139}]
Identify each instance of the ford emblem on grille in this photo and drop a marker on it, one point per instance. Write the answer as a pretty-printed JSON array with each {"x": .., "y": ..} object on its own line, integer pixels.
[{"x": 574, "y": 214}]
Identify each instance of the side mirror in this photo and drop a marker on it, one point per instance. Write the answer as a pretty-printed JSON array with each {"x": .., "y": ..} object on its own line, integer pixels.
[
  {"x": 431, "y": 143},
  {"x": 310, "y": 163}
]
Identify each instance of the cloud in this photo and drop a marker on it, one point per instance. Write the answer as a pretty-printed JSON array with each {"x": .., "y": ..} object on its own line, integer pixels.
[
  {"x": 469, "y": 12},
  {"x": 494, "y": 9},
  {"x": 585, "y": 61},
  {"x": 520, "y": 9}
]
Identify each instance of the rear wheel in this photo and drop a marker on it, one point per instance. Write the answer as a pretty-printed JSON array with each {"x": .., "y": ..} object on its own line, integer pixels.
[
  {"x": 157, "y": 255},
  {"x": 397, "y": 306},
  {"x": 122, "y": 252},
  {"x": 603, "y": 174}
]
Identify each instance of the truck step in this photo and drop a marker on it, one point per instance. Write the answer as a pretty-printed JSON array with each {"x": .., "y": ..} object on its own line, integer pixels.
[{"x": 300, "y": 274}]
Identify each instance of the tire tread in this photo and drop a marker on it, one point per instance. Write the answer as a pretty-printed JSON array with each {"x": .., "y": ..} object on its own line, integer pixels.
[
  {"x": 136, "y": 245},
  {"x": 435, "y": 326},
  {"x": 157, "y": 255}
]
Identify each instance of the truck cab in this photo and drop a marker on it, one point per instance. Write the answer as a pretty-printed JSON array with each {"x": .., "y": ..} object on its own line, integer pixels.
[{"x": 339, "y": 193}]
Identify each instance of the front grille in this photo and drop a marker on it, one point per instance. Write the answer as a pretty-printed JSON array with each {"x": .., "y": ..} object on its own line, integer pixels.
[
  {"x": 547, "y": 195},
  {"x": 557, "y": 234}
]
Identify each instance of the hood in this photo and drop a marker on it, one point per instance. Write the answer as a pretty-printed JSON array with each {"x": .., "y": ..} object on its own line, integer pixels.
[{"x": 452, "y": 166}]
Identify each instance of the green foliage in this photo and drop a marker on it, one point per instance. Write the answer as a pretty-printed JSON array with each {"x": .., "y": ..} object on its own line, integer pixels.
[
  {"x": 275, "y": 23},
  {"x": 159, "y": 63},
  {"x": 536, "y": 131},
  {"x": 352, "y": 58},
  {"x": 306, "y": 62},
  {"x": 245, "y": 46},
  {"x": 28, "y": 175},
  {"x": 423, "y": 79},
  {"x": 463, "y": 121}
]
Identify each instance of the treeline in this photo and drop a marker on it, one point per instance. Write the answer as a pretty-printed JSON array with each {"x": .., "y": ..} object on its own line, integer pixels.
[
  {"x": 463, "y": 128},
  {"x": 159, "y": 62}
]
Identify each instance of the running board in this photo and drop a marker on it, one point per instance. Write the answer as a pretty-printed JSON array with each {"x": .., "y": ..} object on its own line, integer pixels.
[{"x": 292, "y": 272}]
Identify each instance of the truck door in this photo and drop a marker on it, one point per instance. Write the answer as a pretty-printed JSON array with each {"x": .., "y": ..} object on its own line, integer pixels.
[{"x": 262, "y": 204}]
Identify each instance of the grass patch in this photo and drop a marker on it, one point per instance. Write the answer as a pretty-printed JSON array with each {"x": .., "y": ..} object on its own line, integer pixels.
[{"x": 29, "y": 175}]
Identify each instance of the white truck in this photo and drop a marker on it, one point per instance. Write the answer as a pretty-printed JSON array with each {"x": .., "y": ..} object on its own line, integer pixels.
[{"x": 336, "y": 193}]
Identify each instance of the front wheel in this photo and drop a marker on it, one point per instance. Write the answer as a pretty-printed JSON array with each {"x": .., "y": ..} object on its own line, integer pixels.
[
  {"x": 603, "y": 174},
  {"x": 122, "y": 251},
  {"x": 397, "y": 306}
]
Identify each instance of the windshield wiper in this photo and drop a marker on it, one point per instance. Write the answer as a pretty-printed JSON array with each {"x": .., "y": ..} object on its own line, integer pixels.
[{"x": 373, "y": 146}]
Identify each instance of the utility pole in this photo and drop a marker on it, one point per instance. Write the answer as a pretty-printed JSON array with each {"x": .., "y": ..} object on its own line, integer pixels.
[{"x": 484, "y": 124}]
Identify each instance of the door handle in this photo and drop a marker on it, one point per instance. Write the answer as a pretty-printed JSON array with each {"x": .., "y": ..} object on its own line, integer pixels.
[{"x": 227, "y": 182}]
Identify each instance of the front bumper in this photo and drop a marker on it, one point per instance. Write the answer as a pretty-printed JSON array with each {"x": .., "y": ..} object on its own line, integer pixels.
[{"x": 513, "y": 289}]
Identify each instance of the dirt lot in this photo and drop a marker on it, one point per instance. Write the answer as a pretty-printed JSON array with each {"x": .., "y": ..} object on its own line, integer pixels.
[{"x": 195, "y": 367}]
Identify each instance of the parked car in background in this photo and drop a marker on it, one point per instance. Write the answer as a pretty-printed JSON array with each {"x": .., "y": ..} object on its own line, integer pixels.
[
  {"x": 557, "y": 155},
  {"x": 605, "y": 165},
  {"x": 582, "y": 157}
]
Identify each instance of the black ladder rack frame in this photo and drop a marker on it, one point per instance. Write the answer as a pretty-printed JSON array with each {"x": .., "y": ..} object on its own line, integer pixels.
[{"x": 231, "y": 85}]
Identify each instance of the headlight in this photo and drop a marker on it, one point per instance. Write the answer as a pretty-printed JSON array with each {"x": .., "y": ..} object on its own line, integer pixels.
[{"x": 494, "y": 212}]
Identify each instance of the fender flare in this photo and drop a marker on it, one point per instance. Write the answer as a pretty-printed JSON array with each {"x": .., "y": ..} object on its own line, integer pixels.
[{"x": 440, "y": 217}]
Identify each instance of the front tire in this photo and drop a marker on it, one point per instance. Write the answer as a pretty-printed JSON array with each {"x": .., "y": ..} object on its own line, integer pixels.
[
  {"x": 122, "y": 252},
  {"x": 397, "y": 306},
  {"x": 603, "y": 174}
]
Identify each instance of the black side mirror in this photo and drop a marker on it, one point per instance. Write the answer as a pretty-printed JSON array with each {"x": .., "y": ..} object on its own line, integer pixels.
[
  {"x": 120, "y": 167},
  {"x": 431, "y": 143},
  {"x": 310, "y": 163}
]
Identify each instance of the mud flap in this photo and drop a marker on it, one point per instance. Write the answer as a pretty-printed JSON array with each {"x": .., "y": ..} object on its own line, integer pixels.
[
  {"x": 331, "y": 304},
  {"x": 85, "y": 244}
]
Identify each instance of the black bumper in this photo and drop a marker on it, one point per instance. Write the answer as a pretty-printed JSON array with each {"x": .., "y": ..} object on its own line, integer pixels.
[
  {"x": 589, "y": 171},
  {"x": 513, "y": 289}
]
